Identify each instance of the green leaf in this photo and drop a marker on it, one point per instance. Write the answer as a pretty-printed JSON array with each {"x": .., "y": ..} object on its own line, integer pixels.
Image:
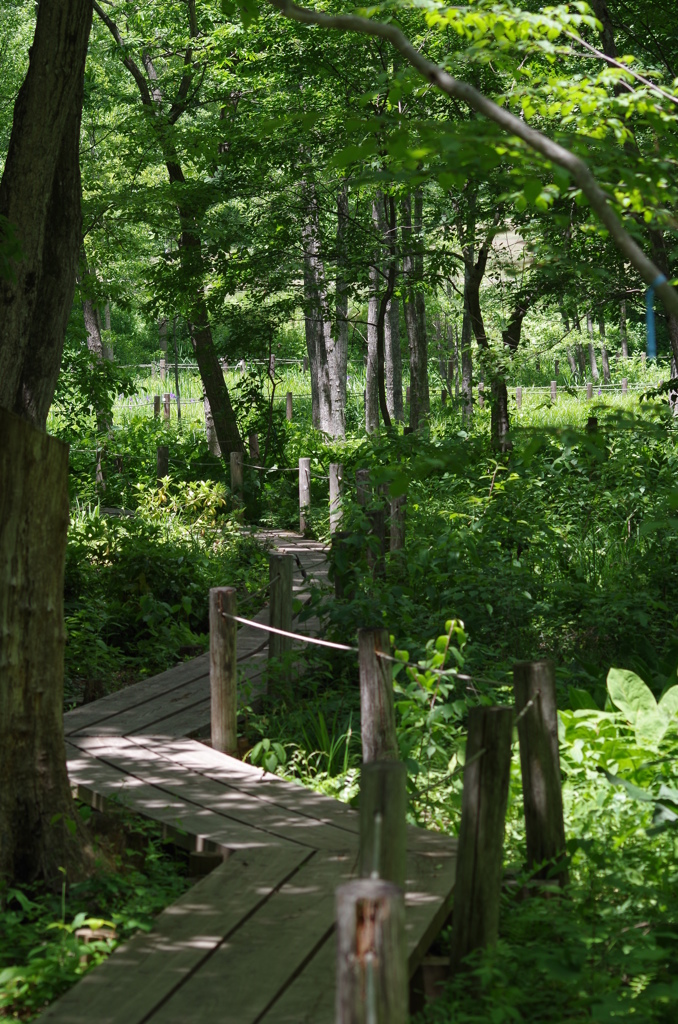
[
  {"x": 669, "y": 702},
  {"x": 634, "y": 791},
  {"x": 581, "y": 700},
  {"x": 630, "y": 694}
]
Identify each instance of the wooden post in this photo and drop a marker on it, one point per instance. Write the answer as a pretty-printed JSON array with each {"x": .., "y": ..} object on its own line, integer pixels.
[
  {"x": 166, "y": 406},
  {"x": 443, "y": 396},
  {"x": 372, "y": 982},
  {"x": 377, "y": 704},
  {"x": 242, "y": 366},
  {"x": 336, "y": 480},
  {"x": 477, "y": 889},
  {"x": 305, "y": 364},
  {"x": 519, "y": 397},
  {"x": 450, "y": 369},
  {"x": 481, "y": 397},
  {"x": 156, "y": 406},
  {"x": 236, "y": 473},
  {"x": 398, "y": 510},
  {"x": 383, "y": 826},
  {"x": 407, "y": 394},
  {"x": 363, "y": 487},
  {"x": 288, "y": 407},
  {"x": 223, "y": 670},
  {"x": 254, "y": 447},
  {"x": 163, "y": 367},
  {"x": 589, "y": 392},
  {"x": 556, "y": 367},
  {"x": 271, "y": 364},
  {"x": 643, "y": 359},
  {"x": 625, "y": 385},
  {"x": 280, "y": 569},
  {"x": 162, "y": 462},
  {"x": 534, "y": 685},
  {"x": 304, "y": 493},
  {"x": 554, "y": 390}
]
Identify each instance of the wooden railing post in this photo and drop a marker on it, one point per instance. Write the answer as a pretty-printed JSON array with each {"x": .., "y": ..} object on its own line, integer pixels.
[
  {"x": 625, "y": 385},
  {"x": 377, "y": 703},
  {"x": 336, "y": 480},
  {"x": 519, "y": 397},
  {"x": 589, "y": 392},
  {"x": 477, "y": 888},
  {"x": 280, "y": 568},
  {"x": 162, "y": 462},
  {"x": 166, "y": 406},
  {"x": 554, "y": 391},
  {"x": 223, "y": 670},
  {"x": 156, "y": 406},
  {"x": 288, "y": 406},
  {"x": 236, "y": 474},
  {"x": 372, "y": 983},
  {"x": 383, "y": 825},
  {"x": 304, "y": 493},
  {"x": 534, "y": 685}
]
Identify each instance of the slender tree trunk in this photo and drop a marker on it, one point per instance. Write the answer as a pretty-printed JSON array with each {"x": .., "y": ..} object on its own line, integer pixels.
[
  {"x": 622, "y": 330},
  {"x": 606, "y": 364},
  {"x": 372, "y": 371},
  {"x": 499, "y": 415},
  {"x": 338, "y": 353},
  {"x": 415, "y": 310},
  {"x": 466, "y": 368},
  {"x": 592, "y": 351},
  {"x": 573, "y": 365},
  {"x": 394, "y": 368},
  {"x": 318, "y": 325}
]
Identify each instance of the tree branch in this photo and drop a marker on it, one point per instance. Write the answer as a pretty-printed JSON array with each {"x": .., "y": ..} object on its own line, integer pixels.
[
  {"x": 133, "y": 68},
  {"x": 536, "y": 140}
]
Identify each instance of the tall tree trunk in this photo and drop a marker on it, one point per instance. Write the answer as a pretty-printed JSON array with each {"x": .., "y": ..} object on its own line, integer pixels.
[
  {"x": 624, "y": 338},
  {"x": 372, "y": 369},
  {"x": 592, "y": 351},
  {"x": 603, "y": 352},
  {"x": 466, "y": 367},
  {"x": 394, "y": 368},
  {"x": 316, "y": 313},
  {"x": 499, "y": 415},
  {"x": 338, "y": 354},
  {"x": 415, "y": 309},
  {"x": 573, "y": 365}
]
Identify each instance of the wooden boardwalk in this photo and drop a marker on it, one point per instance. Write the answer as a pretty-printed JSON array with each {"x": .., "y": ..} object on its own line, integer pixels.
[{"x": 254, "y": 940}]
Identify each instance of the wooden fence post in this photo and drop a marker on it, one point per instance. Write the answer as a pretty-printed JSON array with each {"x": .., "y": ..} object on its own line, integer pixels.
[
  {"x": 625, "y": 385},
  {"x": 556, "y": 367},
  {"x": 288, "y": 407},
  {"x": 304, "y": 493},
  {"x": 280, "y": 568},
  {"x": 372, "y": 982},
  {"x": 223, "y": 670},
  {"x": 305, "y": 365},
  {"x": 377, "y": 703},
  {"x": 477, "y": 889},
  {"x": 163, "y": 367},
  {"x": 383, "y": 825},
  {"x": 643, "y": 359},
  {"x": 398, "y": 510},
  {"x": 236, "y": 473},
  {"x": 519, "y": 397},
  {"x": 156, "y": 406},
  {"x": 589, "y": 392},
  {"x": 162, "y": 462},
  {"x": 443, "y": 396},
  {"x": 554, "y": 391},
  {"x": 166, "y": 406},
  {"x": 534, "y": 685},
  {"x": 336, "y": 480}
]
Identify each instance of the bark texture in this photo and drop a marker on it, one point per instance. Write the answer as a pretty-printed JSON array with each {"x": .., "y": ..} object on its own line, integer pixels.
[
  {"x": 393, "y": 358},
  {"x": 40, "y": 197},
  {"x": 35, "y": 798},
  {"x": 372, "y": 369},
  {"x": 415, "y": 308}
]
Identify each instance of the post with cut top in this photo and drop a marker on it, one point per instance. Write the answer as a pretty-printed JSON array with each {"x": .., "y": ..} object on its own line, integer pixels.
[
  {"x": 166, "y": 406},
  {"x": 288, "y": 406},
  {"x": 589, "y": 392},
  {"x": 554, "y": 390},
  {"x": 223, "y": 670},
  {"x": 443, "y": 396},
  {"x": 519, "y": 397},
  {"x": 477, "y": 889},
  {"x": 643, "y": 359},
  {"x": 156, "y": 406},
  {"x": 625, "y": 385},
  {"x": 162, "y": 462},
  {"x": 336, "y": 480},
  {"x": 304, "y": 493},
  {"x": 371, "y": 979},
  {"x": 383, "y": 824},
  {"x": 534, "y": 685},
  {"x": 236, "y": 461},
  {"x": 280, "y": 569},
  {"x": 377, "y": 703}
]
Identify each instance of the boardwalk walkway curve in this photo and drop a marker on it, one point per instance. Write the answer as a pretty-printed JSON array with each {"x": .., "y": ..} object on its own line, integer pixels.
[{"x": 253, "y": 941}]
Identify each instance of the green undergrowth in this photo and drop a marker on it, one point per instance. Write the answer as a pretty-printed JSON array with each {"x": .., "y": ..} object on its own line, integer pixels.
[{"x": 49, "y": 939}]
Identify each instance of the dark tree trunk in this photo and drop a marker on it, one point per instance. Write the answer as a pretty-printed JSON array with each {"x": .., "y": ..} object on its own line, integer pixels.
[
  {"x": 466, "y": 368},
  {"x": 394, "y": 368},
  {"x": 415, "y": 309},
  {"x": 338, "y": 354},
  {"x": 318, "y": 326},
  {"x": 372, "y": 370},
  {"x": 623, "y": 336},
  {"x": 500, "y": 425},
  {"x": 36, "y": 809}
]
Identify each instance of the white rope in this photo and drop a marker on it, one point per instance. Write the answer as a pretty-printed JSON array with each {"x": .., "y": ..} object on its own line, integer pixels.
[{"x": 292, "y": 636}]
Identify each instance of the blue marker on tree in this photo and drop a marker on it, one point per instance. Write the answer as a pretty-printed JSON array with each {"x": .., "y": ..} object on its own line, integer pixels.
[{"x": 649, "y": 316}]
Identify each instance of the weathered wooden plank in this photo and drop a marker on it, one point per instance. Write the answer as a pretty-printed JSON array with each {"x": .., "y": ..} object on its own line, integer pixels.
[
  {"x": 256, "y": 782},
  {"x": 108, "y": 778},
  {"x": 309, "y": 999},
  {"x": 225, "y": 802},
  {"x": 130, "y": 985},
  {"x": 246, "y": 973}
]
